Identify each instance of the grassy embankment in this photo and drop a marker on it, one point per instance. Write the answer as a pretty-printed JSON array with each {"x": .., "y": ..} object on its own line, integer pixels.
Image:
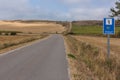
[
  {"x": 11, "y": 41},
  {"x": 88, "y": 62},
  {"x": 91, "y": 30}
]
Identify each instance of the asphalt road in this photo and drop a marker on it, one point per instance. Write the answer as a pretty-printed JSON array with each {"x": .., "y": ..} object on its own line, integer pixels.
[{"x": 44, "y": 60}]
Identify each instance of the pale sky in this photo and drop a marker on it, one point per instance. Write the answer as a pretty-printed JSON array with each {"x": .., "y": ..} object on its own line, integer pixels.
[{"x": 55, "y": 9}]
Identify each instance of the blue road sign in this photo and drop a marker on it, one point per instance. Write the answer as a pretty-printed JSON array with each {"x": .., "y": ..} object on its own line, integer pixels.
[{"x": 109, "y": 26}]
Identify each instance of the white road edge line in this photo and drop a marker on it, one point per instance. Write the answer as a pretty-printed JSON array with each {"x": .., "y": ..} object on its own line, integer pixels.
[
  {"x": 67, "y": 59},
  {"x": 27, "y": 45}
]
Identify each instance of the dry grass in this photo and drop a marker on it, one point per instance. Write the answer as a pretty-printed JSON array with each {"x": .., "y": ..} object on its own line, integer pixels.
[
  {"x": 8, "y": 43},
  {"x": 101, "y": 42},
  {"x": 78, "y": 69},
  {"x": 40, "y": 27},
  {"x": 91, "y": 62}
]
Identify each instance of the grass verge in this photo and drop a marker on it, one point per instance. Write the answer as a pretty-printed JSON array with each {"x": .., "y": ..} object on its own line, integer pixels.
[
  {"x": 12, "y": 42},
  {"x": 91, "y": 62}
]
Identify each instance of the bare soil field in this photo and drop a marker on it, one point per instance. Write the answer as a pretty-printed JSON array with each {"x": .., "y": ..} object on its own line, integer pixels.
[
  {"x": 40, "y": 27},
  {"x": 102, "y": 43}
]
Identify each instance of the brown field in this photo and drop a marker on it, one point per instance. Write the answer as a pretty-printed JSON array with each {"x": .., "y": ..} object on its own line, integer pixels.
[{"x": 40, "y": 27}]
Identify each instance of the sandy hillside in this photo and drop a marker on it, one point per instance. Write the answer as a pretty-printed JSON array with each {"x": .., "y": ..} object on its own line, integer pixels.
[
  {"x": 102, "y": 43},
  {"x": 31, "y": 27}
]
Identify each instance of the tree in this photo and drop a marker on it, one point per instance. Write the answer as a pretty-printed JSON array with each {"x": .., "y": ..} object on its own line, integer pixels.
[{"x": 115, "y": 12}]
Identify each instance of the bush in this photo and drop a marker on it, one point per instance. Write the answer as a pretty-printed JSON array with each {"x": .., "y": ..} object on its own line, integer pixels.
[
  {"x": 71, "y": 33},
  {"x": 6, "y": 33},
  {"x": 0, "y": 33},
  {"x": 13, "y": 33}
]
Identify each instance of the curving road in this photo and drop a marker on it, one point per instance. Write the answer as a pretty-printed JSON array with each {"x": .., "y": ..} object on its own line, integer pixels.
[{"x": 44, "y": 60}]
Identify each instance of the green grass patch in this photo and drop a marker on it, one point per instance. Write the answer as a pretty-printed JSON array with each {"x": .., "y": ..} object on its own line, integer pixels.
[
  {"x": 71, "y": 56},
  {"x": 90, "y": 30},
  {"x": 86, "y": 30}
]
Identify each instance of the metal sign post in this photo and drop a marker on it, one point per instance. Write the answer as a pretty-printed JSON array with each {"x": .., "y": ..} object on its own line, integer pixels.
[
  {"x": 108, "y": 45},
  {"x": 108, "y": 29}
]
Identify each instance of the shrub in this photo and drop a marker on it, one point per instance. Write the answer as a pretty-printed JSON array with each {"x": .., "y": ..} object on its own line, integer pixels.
[
  {"x": 13, "y": 33},
  {"x": 6, "y": 33},
  {"x": 71, "y": 33},
  {"x": 0, "y": 33}
]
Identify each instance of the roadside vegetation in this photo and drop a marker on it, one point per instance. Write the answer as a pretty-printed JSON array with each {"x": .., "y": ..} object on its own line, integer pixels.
[
  {"x": 7, "y": 41},
  {"x": 88, "y": 62}
]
